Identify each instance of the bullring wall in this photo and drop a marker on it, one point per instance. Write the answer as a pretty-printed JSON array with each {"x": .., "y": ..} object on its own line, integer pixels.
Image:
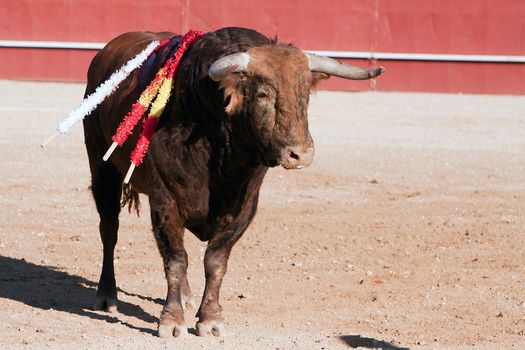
[{"x": 482, "y": 29}]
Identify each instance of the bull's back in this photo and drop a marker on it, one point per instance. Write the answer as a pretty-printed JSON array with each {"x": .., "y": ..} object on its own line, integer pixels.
[
  {"x": 101, "y": 125},
  {"x": 117, "y": 52}
]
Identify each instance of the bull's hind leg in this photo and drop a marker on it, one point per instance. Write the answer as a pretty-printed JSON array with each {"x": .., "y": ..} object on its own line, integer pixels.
[{"x": 106, "y": 188}]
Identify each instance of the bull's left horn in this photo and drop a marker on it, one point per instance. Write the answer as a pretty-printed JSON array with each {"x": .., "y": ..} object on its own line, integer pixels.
[
  {"x": 236, "y": 62},
  {"x": 333, "y": 67}
]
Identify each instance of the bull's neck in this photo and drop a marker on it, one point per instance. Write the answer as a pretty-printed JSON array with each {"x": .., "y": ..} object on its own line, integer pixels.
[
  {"x": 233, "y": 154},
  {"x": 237, "y": 158}
]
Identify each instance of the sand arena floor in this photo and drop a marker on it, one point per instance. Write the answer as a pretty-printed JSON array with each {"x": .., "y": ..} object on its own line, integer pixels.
[{"x": 408, "y": 231}]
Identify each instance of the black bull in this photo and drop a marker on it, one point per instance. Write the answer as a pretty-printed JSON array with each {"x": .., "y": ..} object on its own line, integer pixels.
[{"x": 239, "y": 106}]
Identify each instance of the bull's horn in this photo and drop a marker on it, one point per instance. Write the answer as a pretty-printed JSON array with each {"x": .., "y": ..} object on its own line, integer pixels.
[
  {"x": 333, "y": 67},
  {"x": 236, "y": 62}
]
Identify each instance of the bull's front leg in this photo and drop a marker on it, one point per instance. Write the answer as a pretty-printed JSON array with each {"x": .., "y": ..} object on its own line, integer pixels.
[
  {"x": 215, "y": 265},
  {"x": 169, "y": 231}
]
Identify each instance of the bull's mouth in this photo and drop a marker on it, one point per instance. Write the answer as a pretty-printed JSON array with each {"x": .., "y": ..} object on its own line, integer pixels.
[
  {"x": 284, "y": 163},
  {"x": 272, "y": 163},
  {"x": 290, "y": 166}
]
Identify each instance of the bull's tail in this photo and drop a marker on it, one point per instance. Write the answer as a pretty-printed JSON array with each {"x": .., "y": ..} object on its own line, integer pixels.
[{"x": 130, "y": 197}]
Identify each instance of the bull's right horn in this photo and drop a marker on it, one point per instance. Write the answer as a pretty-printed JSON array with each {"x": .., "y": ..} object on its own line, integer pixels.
[
  {"x": 236, "y": 62},
  {"x": 333, "y": 67}
]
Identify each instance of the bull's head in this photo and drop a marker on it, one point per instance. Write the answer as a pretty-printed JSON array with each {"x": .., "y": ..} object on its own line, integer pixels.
[{"x": 271, "y": 86}]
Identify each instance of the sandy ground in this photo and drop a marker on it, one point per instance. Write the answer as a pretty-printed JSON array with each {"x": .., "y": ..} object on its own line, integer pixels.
[{"x": 408, "y": 231}]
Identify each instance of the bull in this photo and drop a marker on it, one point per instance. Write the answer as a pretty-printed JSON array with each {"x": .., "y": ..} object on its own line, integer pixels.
[{"x": 239, "y": 106}]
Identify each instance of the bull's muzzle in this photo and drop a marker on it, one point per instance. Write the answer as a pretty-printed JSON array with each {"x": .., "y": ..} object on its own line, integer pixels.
[{"x": 297, "y": 157}]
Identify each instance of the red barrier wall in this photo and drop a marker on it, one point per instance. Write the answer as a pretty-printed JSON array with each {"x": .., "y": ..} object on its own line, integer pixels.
[{"x": 434, "y": 26}]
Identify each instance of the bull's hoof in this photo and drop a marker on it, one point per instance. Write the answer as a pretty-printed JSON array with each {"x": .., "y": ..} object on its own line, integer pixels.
[
  {"x": 215, "y": 328},
  {"x": 168, "y": 331},
  {"x": 103, "y": 303}
]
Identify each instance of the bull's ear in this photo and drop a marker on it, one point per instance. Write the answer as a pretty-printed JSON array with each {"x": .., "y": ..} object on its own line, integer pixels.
[
  {"x": 317, "y": 77},
  {"x": 231, "y": 85}
]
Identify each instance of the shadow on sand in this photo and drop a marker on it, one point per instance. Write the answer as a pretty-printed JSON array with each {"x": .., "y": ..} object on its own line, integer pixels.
[
  {"x": 356, "y": 341},
  {"x": 46, "y": 287}
]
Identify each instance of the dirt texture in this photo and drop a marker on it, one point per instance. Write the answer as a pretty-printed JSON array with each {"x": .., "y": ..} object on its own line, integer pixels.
[{"x": 408, "y": 231}]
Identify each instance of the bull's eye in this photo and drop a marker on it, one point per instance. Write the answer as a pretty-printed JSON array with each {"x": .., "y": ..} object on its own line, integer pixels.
[{"x": 261, "y": 95}]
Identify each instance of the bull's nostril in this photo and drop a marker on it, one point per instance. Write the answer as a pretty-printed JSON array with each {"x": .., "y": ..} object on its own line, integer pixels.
[{"x": 294, "y": 155}]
